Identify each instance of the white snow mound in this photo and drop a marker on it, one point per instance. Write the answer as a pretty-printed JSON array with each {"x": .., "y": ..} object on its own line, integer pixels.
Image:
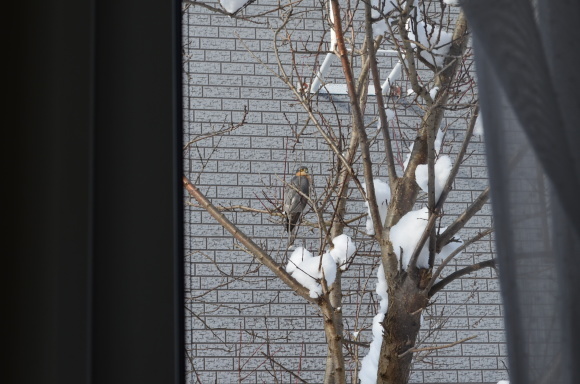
[
  {"x": 343, "y": 249},
  {"x": 310, "y": 271},
  {"x": 406, "y": 234},
  {"x": 442, "y": 170},
  {"x": 298, "y": 256}
]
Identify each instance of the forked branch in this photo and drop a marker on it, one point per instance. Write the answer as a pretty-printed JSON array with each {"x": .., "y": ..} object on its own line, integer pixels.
[
  {"x": 252, "y": 247},
  {"x": 358, "y": 124},
  {"x": 460, "y": 222},
  {"x": 462, "y": 272},
  {"x": 372, "y": 60}
]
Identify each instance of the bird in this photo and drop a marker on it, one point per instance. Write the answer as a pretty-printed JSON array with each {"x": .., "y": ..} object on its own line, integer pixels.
[{"x": 295, "y": 201}]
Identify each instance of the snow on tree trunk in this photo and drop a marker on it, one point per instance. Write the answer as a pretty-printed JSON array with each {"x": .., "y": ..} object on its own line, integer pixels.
[{"x": 401, "y": 327}]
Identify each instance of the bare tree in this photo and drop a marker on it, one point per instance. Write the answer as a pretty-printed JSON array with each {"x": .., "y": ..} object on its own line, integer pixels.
[{"x": 431, "y": 80}]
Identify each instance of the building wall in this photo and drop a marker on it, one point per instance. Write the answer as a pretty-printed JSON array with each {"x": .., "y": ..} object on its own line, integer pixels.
[{"x": 238, "y": 312}]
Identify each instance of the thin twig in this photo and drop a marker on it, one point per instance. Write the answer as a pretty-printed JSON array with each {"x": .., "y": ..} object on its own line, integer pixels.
[
  {"x": 460, "y": 221},
  {"x": 413, "y": 350},
  {"x": 444, "y": 263},
  {"x": 284, "y": 368},
  {"x": 462, "y": 272}
]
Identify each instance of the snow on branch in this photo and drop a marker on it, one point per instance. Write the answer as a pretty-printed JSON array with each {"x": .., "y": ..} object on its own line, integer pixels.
[
  {"x": 252, "y": 247},
  {"x": 432, "y": 41},
  {"x": 309, "y": 270},
  {"x": 442, "y": 170},
  {"x": 405, "y": 236}
]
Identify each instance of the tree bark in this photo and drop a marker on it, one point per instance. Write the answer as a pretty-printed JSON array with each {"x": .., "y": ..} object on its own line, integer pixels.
[
  {"x": 334, "y": 342},
  {"x": 408, "y": 290},
  {"x": 402, "y": 324}
]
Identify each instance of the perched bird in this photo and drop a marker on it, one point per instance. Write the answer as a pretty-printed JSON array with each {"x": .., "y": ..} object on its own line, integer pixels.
[{"x": 294, "y": 201}]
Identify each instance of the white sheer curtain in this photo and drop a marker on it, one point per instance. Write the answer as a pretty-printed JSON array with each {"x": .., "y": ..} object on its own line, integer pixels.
[{"x": 529, "y": 84}]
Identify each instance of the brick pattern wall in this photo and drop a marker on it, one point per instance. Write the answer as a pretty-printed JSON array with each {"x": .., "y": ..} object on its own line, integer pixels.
[{"x": 237, "y": 312}]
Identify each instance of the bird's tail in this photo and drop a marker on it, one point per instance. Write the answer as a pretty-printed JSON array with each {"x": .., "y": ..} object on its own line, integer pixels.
[
  {"x": 288, "y": 225},
  {"x": 290, "y": 222}
]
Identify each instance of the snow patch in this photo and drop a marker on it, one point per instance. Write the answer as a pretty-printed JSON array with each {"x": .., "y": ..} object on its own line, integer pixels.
[
  {"x": 343, "y": 250},
  {"x": 232, "y": 6},
  {"x": 381, "y": 289},
  {"x": 406, "y": 234},
  {"x": 370, "y": 363},
  {"x": 449, "y": 248},
  {"x": 386, "y": 6},
  {"x": 306, "y": 269},
  {"x": 406, "y": 163},
  {"x": 298, "y": 256},
  {"x": 431, "y": 37},
  {"x": 309, "y": 272},
  {"x": 438, "y": 141},
  {"x": 433, "y": 92},
  {"x": 442, "y": 170}
]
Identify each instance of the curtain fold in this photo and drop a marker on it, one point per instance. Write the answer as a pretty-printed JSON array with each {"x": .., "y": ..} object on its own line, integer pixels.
[{"x": 526, "y": 61}]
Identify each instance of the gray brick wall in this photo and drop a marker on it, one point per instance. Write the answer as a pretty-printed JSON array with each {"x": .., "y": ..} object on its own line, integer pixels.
[{"x": 237, "y": 310}]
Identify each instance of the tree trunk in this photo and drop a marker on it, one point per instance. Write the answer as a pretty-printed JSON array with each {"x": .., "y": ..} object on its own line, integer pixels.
[
  {"x": 335, "y": 301},
  {"x": 401, "y": 326},
  {"x": 334, "y": 341}
]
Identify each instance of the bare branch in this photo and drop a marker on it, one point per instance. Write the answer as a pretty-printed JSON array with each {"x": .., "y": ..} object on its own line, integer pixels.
[
  {"x": 431, "y": 188},
  {"x": 429, "y": 228},
  {"x": 258, "y": 252},
  {"x": 220, "y": 131},
  {"x": 284, "y": 368},
  {"x": 359, "y": 343},
  {"x": 413, "y": 350},
  {"x": 409, "y": 52},
  {"x": 466, "y": 244},
  {"x": 431, "y": 121},
  {"x": 372, "y": 60},
  {"x": 459, "y": 158},
  {"x": 462, "y": 272},
  {"x": 460, "y": 222},
  {"x": 358, "y": 124}
]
